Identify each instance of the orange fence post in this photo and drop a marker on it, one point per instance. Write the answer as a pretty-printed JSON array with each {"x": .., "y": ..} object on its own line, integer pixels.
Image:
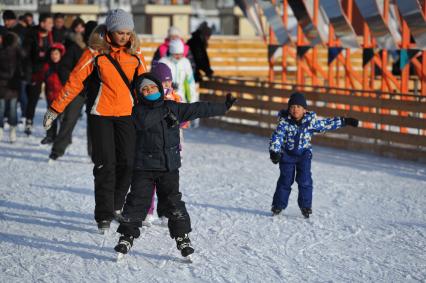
[
  {"x": 272, "y": 40},
  {"x": 285, "y": 47},
  {"x": 331, "y": 43},
  {"x": 314, "y": 48},
  {"x": 299, "y": 61},
  {"x": 348, "y": 50},
  {"x": 423, "y": 77}
]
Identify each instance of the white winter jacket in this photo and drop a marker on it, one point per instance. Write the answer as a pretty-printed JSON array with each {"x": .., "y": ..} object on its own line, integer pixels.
[{"x": 183, "y": 77}]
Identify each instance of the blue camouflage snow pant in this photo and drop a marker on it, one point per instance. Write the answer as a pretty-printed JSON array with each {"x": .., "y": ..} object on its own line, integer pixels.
[{"x": 291, "y": 166}]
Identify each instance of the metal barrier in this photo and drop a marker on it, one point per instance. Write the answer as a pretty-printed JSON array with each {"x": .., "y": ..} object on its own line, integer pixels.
[{"x": 379, "y": 131}]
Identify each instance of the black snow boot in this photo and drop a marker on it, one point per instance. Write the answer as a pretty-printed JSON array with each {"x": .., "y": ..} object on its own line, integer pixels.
[
  {"x": 184, "y": 245},
  {"x": 276, "y": 210},
  {"x": 103, "y": 226},
  {"x": 306, "y": 211},
  {"x": 124, "y": 244}
]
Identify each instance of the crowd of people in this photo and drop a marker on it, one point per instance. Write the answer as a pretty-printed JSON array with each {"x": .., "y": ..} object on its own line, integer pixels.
[
  {"x": 135, "y": 116},
  {"x": 46, "y": 53}
]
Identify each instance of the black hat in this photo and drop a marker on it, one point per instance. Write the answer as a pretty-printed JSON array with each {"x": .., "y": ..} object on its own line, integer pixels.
[
  {"x": 297, "y": 98},
  {"x": 9, "y": 15}
]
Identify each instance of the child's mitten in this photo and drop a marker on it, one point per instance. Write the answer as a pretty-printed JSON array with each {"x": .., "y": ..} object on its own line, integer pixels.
[
  {"x": 229, "y": 101},
  {"x": 275, "y": 156},
  {"x": 350, "y": 121},
  {"x": 48, "y": 119},
  {"x": 171, "y": 119}
]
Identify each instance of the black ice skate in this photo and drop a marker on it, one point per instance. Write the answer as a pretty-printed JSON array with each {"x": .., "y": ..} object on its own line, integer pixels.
[
  {"x": 306, "y": 212},
  {"x": 103, "y": 226},
  {"x": 28, "y": 127},
  {"x": 276, "y": 211},
  {"x": 184, "y": 245},
  {"x": 123, "y": 247},
  {"x": 118, "y": 216}
]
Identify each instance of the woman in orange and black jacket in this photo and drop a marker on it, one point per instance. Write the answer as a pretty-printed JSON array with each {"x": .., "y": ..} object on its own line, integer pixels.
[{"x": 110, "y": 102}]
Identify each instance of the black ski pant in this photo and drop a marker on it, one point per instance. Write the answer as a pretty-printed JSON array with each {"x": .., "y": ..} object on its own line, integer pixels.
[
  {"x": 113, "y": 148},
  {"x": 69, "y": 119},
  {"x": 138, "y": 202},
  {"x": 161, "y": 204},
  {"x": 33, "y": 91}
]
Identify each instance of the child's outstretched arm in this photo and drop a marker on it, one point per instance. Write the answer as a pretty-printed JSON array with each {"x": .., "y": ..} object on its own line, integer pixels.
[
  {"x": 192, "y": 111},
  {"x": 330, "y": 124}
]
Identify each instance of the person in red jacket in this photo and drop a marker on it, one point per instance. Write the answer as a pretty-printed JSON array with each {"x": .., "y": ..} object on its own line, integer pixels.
[
  {"x": 54, "y": 82},
  {"x": 163, "y": 50}
]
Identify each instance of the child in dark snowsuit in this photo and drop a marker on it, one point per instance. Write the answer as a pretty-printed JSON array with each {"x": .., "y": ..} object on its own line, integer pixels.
[
  {"x": 290, "y": 146},
  {"x": 157, "y": 161}
]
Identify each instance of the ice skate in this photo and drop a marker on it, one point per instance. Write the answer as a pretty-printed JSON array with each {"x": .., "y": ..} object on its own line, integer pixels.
[
  {"x": 28, "y": 127},
  {"x": 149, "y": 219},
  {"x": 164, "y": 221},
  {"x": 103, "y": 226},
  {"x": 12, "y": 134},
  {"x": 184, "y": 245},
  {"x": 276, "y": 211},
  {"x": 306, "y": 212},
  {"x": 47, "y": 140},
  {"x": 118, "y": 216},
  {"x": 123, "y": 247}
]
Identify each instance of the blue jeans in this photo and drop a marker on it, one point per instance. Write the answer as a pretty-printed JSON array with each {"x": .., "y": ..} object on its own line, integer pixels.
[
  {"x": 291, "y": 166},
  {"x": 13, "y": 115},
  {"x": 23, "y": 98}
]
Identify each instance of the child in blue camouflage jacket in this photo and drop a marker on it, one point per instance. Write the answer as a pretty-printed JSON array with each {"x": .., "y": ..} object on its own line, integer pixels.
[{"x": 290, "y": 146}]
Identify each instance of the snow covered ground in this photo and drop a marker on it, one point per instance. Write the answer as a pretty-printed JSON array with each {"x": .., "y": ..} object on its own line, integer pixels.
[{"x": 368, "y": 223}]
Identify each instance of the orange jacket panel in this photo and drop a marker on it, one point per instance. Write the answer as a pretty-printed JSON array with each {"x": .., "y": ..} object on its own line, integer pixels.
[{"x": 113, "y": 97}]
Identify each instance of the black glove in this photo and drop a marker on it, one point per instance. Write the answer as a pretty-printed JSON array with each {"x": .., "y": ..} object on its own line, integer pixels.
[
  {"x": 350, "y": 121},
  {"x": 229, "y": 101},
  {"x": 275, "y": 156},
  {"x": 171, "y": 119}
]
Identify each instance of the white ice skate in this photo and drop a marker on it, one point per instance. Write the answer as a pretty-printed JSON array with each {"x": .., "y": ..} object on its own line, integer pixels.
[{"x": 149, "y": 219}]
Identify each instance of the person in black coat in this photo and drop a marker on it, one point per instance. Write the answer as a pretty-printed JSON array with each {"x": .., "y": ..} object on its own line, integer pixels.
[
  {"x": 75, "y": 44},
  {"x": 59, "y": 31},
  {"x": 198, "y": 46},
  {"x": 10, "y": 76},
  {"x": 20, "y": 29},
  {"x": 37, "y": 44},
  {"x": 157, "y": 161}
]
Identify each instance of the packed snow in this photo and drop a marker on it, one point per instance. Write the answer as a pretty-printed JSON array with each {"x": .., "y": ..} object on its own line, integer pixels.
[{"x": 368, "y": 222}]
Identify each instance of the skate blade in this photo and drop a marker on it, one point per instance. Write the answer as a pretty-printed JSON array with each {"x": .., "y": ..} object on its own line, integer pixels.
[
  {"x": 102, "y": 231},
  {"x": 120, "y": 256},
  {"x": 188, "y": 259},
  {"x": 51, "y": 161}
]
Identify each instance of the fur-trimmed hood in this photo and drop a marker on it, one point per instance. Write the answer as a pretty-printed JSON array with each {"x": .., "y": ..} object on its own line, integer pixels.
[
  {"x": 98, "y": 41},
  {"x": 78, "y": 39}
]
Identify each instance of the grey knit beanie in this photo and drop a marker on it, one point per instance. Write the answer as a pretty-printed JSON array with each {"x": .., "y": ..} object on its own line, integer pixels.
[
  {"x": 146, "y": 82},
  {"x": 119, "y": 19}
]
